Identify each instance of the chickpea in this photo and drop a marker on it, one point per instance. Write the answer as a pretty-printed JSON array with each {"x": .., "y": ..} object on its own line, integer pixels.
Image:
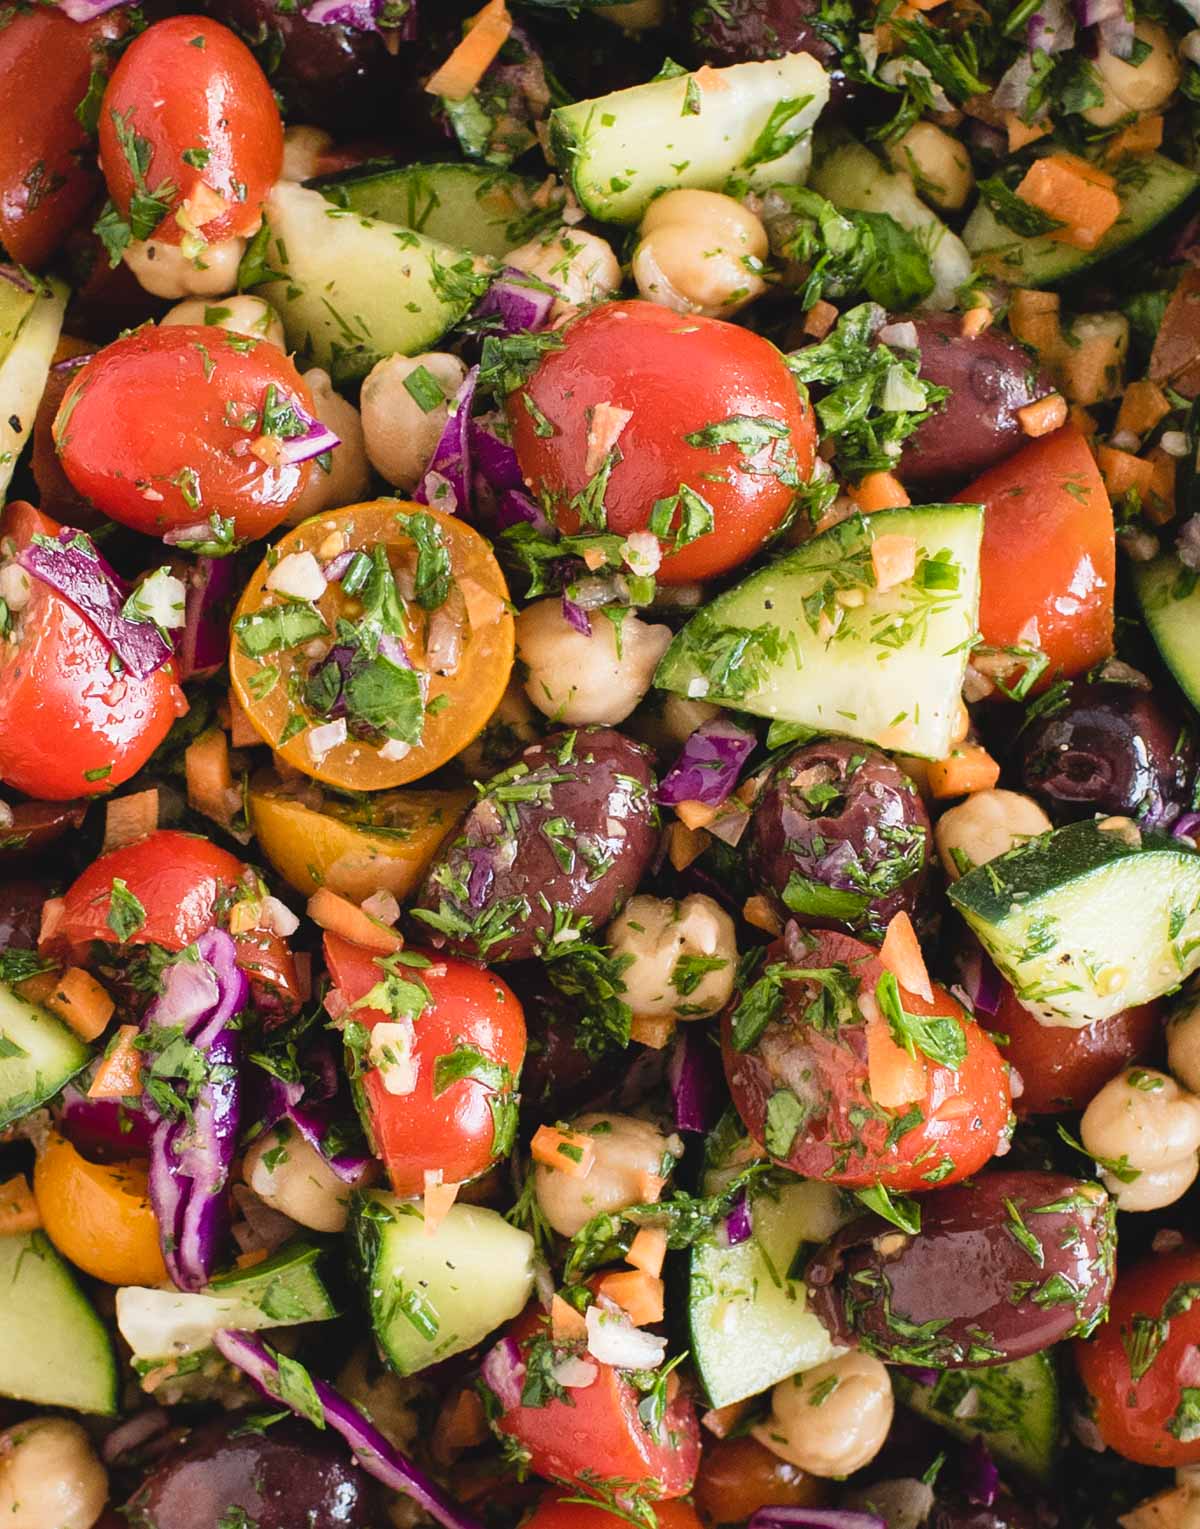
[
  {"x": 50, "y": 1477},
  {"x": 1141, "y": 87},
  {"x": 294, "y": 1179},
  {"x": 987, "y": 824},
  {"x": 348, "y": 478},
  {"x": 1183, "y": 1043},
  {"x": 1154, "y": 1187},
  {"x": 1144, "y": 1118},
  {"x": 387, "y": 1399},
  {"x": 401, "y": 434},
  {"x": 252, "y": 316},
  {"x": 303, "y": 147},
  {"x": 670, "y": 944},
  {"x": 833, "y": 1419},
  {"x": 666, "y": 722},
  {"x": 165, "y": 271},
  {"x": 579, "y": 678},
  {"x": 510, "y": 728},
  {"x": 939, "y": 165},
  {"x": 635, "y": 15},
  {"x": 700, "y": 252},
  {"x": 581, "y": 267},
  {"x": 632, "y": 1159}
]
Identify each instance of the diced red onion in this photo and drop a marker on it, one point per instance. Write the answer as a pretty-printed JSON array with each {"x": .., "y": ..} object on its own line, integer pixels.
[
  {"x": 515, "y": 507},
  {"x": 1091, "y": 12},
  {"x": 87, "y": 10},
  {"x": 483, "y": 875},
  {"x": 988, "y": 139},
  {"x": 1013, "y": 85},
  {"x": 263, "y": 1229},
  {"x": 337, "y": 566},
  {"x": 307, "y": 1107},
  {"x": 708, "y": 767},
  {"x": 919, "y": 1375},
  {"x": 981, "y": 1479},
  {"x": 495, "y": 458},
  {"x": 518, "y": 300},
  {"x": 451, "y": 459},
  {"x": 204, "y": 642},
  {"x": 814, "y": 1518},
  {"x": 739, "y": 1226},
  {"x": 575, "y": 616},
  {"x": 983, "y": 983},
  {"x": 1051, "y": 29},
  {"x": 1117, "y": 35},
  {"x": 694, "y": 1077},
  {"x": 132, "y": 1434},
  {"x": 730, "y": 824},
  {"x": 317, "y": 439},
  {"x": 503, "y": 1372},
  {"x": 1187, "y": 826},
  {"x": 362, "y": 16}
]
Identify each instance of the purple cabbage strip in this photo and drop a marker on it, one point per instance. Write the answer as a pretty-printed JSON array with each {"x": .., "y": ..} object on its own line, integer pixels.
[
  {"x": 309, "y": 1109},
  {"x": 814, "y": 1518},
  {"x": 981, "y": 1479},
  {"x": 514, "y": 507},
  {"x": 87, "y": 10},
  {"x": 694, "y": 1076},
  {"x": 521, "y": 302},
  {"x": 451, "y": 460},
  {"x": 111, "y": 1128},
  {"x": 503, "y": 1371},
  {"x": 575, "y": 616},
  {"x": 1186, "y": 826},
  {"x": 983, "y": 983},
  {"x": 315, "y": 442},
  {"x": 74, "y": 568},
  {"x": 708, "y": 767},
  {"x": 204, "y": 641},
  {"x": 739, "y": 1226},
  {"x": 919, "y": 1374},
  {"x": 363, "y": 16},
  {"x": 373, "y": 1452},
  {"x": 494, "y": 458}
]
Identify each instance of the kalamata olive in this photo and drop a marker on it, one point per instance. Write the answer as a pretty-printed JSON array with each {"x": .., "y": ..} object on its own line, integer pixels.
[
  {"x": 1005, "y": 1265},
  {"x": 1004, "y": 1513},
  {"x": 555, "y": 844},
  {"x": 839, "y": 837},
  {"x": 20, "y": 914},
  {"x": 990, "y": 377},
  {"x": 281, "y": 1477},
  {"x": 1111, "y": 748},
  {"x": 737, "y": 31},
  {"x": 57, "y": 495}
]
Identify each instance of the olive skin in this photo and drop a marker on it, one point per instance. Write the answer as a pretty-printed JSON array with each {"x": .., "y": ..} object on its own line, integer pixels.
[
  {"x": 1004, "y": 1513},
  {"x": 840, "y": 815},
  {"x": 563, "y": 836},
  {"x": 1005, "y": 1265},
  {"x": 281, "y": 1477},
  {"x": 1112, "y": 748},
  {"x": 990, "y": 377},
  {"x": 735, "y": 31}
]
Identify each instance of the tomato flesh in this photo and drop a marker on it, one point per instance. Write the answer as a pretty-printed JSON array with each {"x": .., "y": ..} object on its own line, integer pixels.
[{"x": 557, "y": 1512}]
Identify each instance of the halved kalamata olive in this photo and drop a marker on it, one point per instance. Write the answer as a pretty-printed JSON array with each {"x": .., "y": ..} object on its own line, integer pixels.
[
  {"x": 738, "y": 31},
  {"x": 1111, "y": 748},
  {"x": 20, "y": 913},
  {"x": 1004, "y": 1513},
  {"x": 1005, "y": 1265},
  {"x": 839, "y": 837}
]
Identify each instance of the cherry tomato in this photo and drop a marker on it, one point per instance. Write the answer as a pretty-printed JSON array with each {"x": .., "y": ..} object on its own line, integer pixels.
[
  {"x": 739, "y": 1476},
  {"x": 1142, "y": 1368},
  {"x": 189, "y": 121},
  {"x": 453, "y": 1125},
  {"x": 271, "y": 968},
  {"x": 69, "y": 726},
  {"x": 1048, "y": 560},
  {"x": 557, "y": 1512},
  {"x": 182, "y": 426},
  {"x": 831, "y": 1127},
  {"x": 711, "y": 409},
  {"x": 599, "y": 1437}
]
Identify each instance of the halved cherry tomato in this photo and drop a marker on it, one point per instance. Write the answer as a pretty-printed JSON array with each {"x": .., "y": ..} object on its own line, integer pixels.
[
  {"x": 558, "y": 1512},
  {"x": 182, "y": 426},
  {"x": 1142, "y": 1368},
  {"x": 189, "y": 120},
  {"x": 598, "y": 1437},
  {"x": 98, "y": 1215},
  {"x": 69, "y": 726},
  {"x": 831, "y": 1127},
  {"x": 1049, "y": 559},
  {"x": 739, "y": 1476},
  {"x": 452, "y": 1123},
  {"x": 461, "y": 648},
  {"x": 711, "y": 409}
]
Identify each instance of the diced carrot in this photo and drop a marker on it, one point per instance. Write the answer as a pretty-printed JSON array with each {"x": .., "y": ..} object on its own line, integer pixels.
[
  {"x": 896, "y": 1079},
  {"x": 820, "y": 319},
  {"x": 975, "y": 321},
  {"x": 1160, "y": 507},
  {"x": 655, "y": 1033},
  {"x": 242, "y": 733},
  {"x": 249, "y": 1260},
  {"x": 54, "y": 910},
  {"x": 210, "y": 788},
  {"x": 721, "y": 1421},
  {"x": 648, "y": 1250},
  {"x": 685, "y": 845},
  {"x": 710, "y": 79},
  {"x": 119, "y": 1074},
  {"x": 1033, "y": 317},
  {"x": 565, "y": 1322},
  {"x": 967, "y": 768},
  {"x": 1078, "y": 194},
  {"x": 439, "y": 1198},
  {"x": 1144, "y": 136},
  {"x": 1043, "y": 415},
  {"x": 37, "y": 989},
  {"x": 695, "y": 814},
  {"x": 130, "y": 818},
  {"x": 80, "y": 1000},
  {"x": 568, "y": 1152},
  {"x": 879, "y": 491},
  {"x": 18, "y": 1208},
  {"x": 639, "y": 1295},
  {"x": 1021, "y": 134},
  {"x": 1122, "y": 471},
  {"x": 341, "y": 916},
  {"x": 1143, "y": 405},
  {"x": 1084, "y": 422},
  {"x": 901, "y": 955},
  {"x": 894, "y": 559},
  {"x": 761, "y": 914},
  {"x": 460, "y": 1425},
  {"x": 473, "y": 57}
]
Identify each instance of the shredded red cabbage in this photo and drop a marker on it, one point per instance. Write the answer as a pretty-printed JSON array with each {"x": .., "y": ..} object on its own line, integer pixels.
[
  {"x": 521, "y": 302},
  {"x": 575, "y": 616},
  {"x": 981, "y": 1479},
  {"x": 983, "y": 984},
  {"x": 694, "y": 1076},
  {"x": 708, "y": 767},
  {"x": 446, "y": 483},
  {"x": 87, "y": 10},
  {"x": 1186, "y": 826},
  {"x": 311, "y": 1110},
  {"x": 317, "y": 439},
  {"x": 212, "y": 588},
  {"x": 514, "y": 508},
  {"x": 814, "y": 1518},
  {"x": 739, "y": 1225},
  {"x": 494, "y": 458},
  {"x": 102, "y": 1128}
]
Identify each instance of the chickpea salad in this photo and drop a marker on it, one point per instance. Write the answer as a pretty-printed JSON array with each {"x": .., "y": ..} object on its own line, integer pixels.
[{"x": 599, "y": 794}]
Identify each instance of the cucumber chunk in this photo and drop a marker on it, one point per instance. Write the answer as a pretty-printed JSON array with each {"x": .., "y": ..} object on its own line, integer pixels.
[
  {"x": 889, "y": 671},
  {"x": 54, "y": 1349},
  {"x": 1014, "y": 1406},
  {"x": 38, "y": 1055},
  {"x": 1085, "y": 921},
  {"x": 1169, "y": 595},
  {"x": 351, "y": 289},
  {"x": 18, "y": 297},
  {"x": 24, "y": 370},
  {"x": 433, "y": 1296},
  {"x": 1150, "y": 188},
  {"x": 697, "y": 130}
]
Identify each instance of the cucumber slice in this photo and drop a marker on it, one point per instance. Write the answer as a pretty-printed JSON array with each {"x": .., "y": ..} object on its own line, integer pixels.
[
  {"x": 754, "y": 120},
  {"x": 890, "y": 670},
  {"x": 1014, "y": 1406},
  {"x": 38, "y": 1055},
  {"x": 17, "y": 299},
  {"x": 1085, "y": 921},
  {"x": 352, "y": 289},
  {"x": 851, "y": 177},
  {"x": 1150, "y": 188},
  {"x": 433, "y": 1296},
  {"x": 1169, "y": 595},
  {"x": 24, "y": 370},
  {"x": 54, "y": 1349},
  {"x": 472, "y": 207}
]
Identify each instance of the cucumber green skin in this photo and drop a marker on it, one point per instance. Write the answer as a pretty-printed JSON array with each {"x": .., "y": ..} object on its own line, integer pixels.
[
  {"x": 1173, "y": 620},
  {"x": 54, "y": 1349},
  {"x": 1043, "y": 262},
  {"x": 1084, "y": 923},
  {"x": 15, "y": 307},
  {"x": 1018, "y": 1411},
  {"x": 287, "y": 1287},
  {"x": 23, "y": 373},
  {"x": 55, "y": 1054}
]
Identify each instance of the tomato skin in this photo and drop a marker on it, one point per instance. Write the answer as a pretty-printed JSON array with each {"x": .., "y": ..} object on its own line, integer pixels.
[
  {"x": 152, "y": 408},
  {"x": 553, "y": 1512},
  {"x": 1048, "y": 562},
  {"x": 1133, "y": 1415},
  {"x": 738, "y": 1476},
  {"x": 965, "y": 1111},
  {"x": 63, "y": 713},
  {"x": 677, "y": 375},
  {"x": 602, "y": 1435},
  {"x": 454, "y": 1131},
  {"x": 186, "y": 94}
]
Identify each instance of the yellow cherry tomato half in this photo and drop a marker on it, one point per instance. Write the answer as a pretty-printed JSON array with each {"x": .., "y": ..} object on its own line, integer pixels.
[
  {"x": 98, "y": 1215},
  {"x": 373, "y": 644}
]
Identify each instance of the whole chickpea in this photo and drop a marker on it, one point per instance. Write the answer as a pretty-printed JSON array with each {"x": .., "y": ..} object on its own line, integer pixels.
[
  {"x": 633, "y": 1157},
  {"x": 833, "y": 1419},
  {"x": 1143, "y": 1118},
  {"x": 575, "y": 677},
  {"x": 939, "y": 165},
  {"x": 293, "y": 1178},
  {"x": 241, "y": 314},
  {"x": 510, "y": 728},
  {"x": 165, "y": 271},
  {"x": 303, "y": 147},
  {"x": 1141, "y": 87},
  {"x": 683, "y": 956},
  {"x": 389, "y": 1400},
  {"x": 401, "y": 433},
  {"x": 987, "y": 824},
  {"x": 666, "y": 721},
  {"x": 700, "y": 252},
  {"x": 581, "y": 267},
  {"x": 1183, "y": 1043},
  {"x": 50, "y": 1477},
  {"x": 348, "y": 479}
]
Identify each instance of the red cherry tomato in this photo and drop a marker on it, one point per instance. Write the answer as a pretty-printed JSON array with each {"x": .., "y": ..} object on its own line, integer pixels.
[
  {"x": 189, "y": 118},
  {"x": 1048, "y": 560},
  {"x": 69, "y": 726},
  {"x": 839, "y": 1132},
  {"x": 601, "y": 1438},
  {"x": 1142, "y": 1368},
  {"x": 171, "y": 428},
  {"x": 752, "y": 433},
  {"x": 453, "y": 1128},
  {"x": 556, "y": 1512}
]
